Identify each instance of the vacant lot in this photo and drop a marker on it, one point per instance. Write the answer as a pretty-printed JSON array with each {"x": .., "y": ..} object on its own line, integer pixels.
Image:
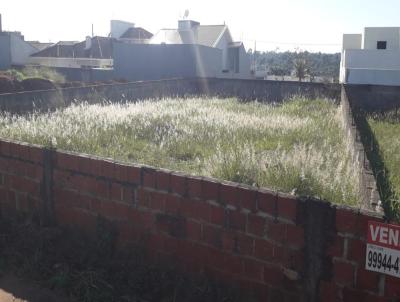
[
  {"x": 296, "y": 147},
  {"x": 386, "y": 129}
]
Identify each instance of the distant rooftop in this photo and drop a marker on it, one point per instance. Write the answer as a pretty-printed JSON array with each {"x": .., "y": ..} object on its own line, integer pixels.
[{"x": 207, "y": 35}]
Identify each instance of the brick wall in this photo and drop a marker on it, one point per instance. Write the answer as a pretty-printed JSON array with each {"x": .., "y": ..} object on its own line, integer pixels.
[{"x": 282, "y": 248}]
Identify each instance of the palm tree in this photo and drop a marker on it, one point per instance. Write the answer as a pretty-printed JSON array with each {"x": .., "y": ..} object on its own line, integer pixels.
[{"x": 300, "y": 68}]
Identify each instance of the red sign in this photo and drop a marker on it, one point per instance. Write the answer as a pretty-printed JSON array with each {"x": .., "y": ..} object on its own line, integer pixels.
[{"x": 385, "y": 235}]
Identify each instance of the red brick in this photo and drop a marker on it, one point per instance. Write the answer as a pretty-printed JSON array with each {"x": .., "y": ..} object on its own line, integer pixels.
[
  {"x": 210, "y": 190},
  {"x": 163, "y": 181},
  {"x": 121, "y": 172},
  {"x": 287, "y": 207},
  {"x": 107, "y": 169},
  {"x": 84, "y": 164},
  {"x": 95, "y": 205},
  {"x": 128, "y": 194},
  {"x": 253, "y": 270},
  {"x": 244, "y": 244},
  {"x": 149, "y": 177},
  {"x": 142, "y": 220},
  {"x": 255, "y": 225},
  {"x": 229, "y": 194},
  {"x": 194, "y": 187},
  {"x": 328, "y": 292},
  {"x": 229, "y": 241},
  {"x": 335, "y": 249},
  {"x": 173, "y": 204},
  {"x": 21, "y": 184},
  {"x": 367, "y": 280},
  {"x": 158, "y": 201},
  {"x": 36, "y": 154},
  {"x": 143, "y": 197},
  {"x": 233, "y": 264},
  {"x": 35, "y": 172},
  {"x": 212, "y": 235},
  {"x": 20, "y": 150},
  {"x": 266, "y": 202},
  {"x": 236, "y": 220},
  {"x": 248, "y": 198},
  {"x": 349, "y": 221},
  {"x": 103, "y": 189},
  {"x": 178, "y": 184},
  {"x": 87, "y": 184},
  {"x": 343, "y": 273},
  {"x": 217, "y": 215},
  {"x": 356, "y": 251},
  {"x": 194, "y": 230},
  {"x": 392, "y": 287},
  {"x": 264, "y": 250},
  {"x": 5, "y": 148},
  {"x": 196, "y": 209},
  {"x": 351, "y": 295},
  {"x": 295, "y": 236},
  {"x": 273, "y": 276},
  {"x": 134, "y": 175},
  {"x": 346, "y": 221},
  {"x": 66, "y": 161},
  {"x": 277, "y": 231},
  {"x": 116, "y": 192}
]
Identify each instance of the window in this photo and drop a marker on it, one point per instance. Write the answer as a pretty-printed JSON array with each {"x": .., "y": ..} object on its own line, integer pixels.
[{"x": 381, "y": 45}]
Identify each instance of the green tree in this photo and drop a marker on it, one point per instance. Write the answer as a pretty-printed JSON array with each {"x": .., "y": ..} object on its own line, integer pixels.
[{"x": 300, "y": 68}]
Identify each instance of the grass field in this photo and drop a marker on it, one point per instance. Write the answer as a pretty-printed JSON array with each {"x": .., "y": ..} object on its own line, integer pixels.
[
  {"x": 297, "y": 147},
  {"x": 386, "y": 129}
]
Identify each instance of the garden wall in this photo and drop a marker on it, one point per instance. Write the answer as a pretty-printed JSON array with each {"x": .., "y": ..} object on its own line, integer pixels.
[
  {"x": 282, "y": 248},
  {"x": 267, "y": 91},
  {"x": 368, "y": 188}
]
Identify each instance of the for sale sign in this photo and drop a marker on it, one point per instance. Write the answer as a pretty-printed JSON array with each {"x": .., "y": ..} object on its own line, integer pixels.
[{"x": 383, "y": 248}]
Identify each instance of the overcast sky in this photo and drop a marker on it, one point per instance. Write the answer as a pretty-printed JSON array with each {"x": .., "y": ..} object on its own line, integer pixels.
[{"x": 314, "y": 25}]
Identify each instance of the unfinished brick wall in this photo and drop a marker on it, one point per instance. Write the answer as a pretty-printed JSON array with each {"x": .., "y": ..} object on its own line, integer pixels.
[{"x": 280, "y": 247}]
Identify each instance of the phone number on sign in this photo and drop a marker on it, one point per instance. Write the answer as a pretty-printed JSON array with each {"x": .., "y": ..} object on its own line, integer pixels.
[{"x": 383, "y": 260}]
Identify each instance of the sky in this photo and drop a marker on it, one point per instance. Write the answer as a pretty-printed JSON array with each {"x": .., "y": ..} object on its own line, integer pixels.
[{"x": 274, "y": 24}]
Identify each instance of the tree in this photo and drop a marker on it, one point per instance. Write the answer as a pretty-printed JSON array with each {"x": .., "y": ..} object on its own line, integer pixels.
[{"x": 300, "y": 68}]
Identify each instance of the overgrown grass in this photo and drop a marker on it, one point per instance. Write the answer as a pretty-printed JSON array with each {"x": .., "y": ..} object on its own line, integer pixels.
[
  {"x": 298, "y": 146},
  {"x": 36, "y": 72},
  {"x": 386, "y": 129}
]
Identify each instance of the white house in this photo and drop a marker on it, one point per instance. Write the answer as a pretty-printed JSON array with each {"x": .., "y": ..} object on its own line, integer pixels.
[
  {"x": 235, "y": 61},
  {"x": 372, "y": 57}
]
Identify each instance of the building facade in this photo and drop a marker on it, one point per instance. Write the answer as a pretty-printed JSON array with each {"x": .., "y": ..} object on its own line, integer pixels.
[{"x": 372, "y": 57}]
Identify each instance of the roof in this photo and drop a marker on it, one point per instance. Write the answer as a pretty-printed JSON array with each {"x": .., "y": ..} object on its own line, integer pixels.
[
  {"x": 39, "y": 45},
  {"x": 101, "y": 49},
  {"x": 207, "y": 35},
  {"x": 137, "y": 33},
  {"x": 235, "y": 44}
]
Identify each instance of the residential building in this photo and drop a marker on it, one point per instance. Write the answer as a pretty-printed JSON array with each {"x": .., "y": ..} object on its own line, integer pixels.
[
  {"x": 235, "y": 62},
  {"x": 14, "y": 50},
  {"x": 372, "y": 57}
]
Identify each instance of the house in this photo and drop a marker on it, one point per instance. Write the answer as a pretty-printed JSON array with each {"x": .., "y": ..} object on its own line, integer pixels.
[
  {"x": 235, "y": 62},
  {"x": 372, "y": 57},
  {"x": 14, "y": 50},
  {"x": 94, "y": 52}
]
